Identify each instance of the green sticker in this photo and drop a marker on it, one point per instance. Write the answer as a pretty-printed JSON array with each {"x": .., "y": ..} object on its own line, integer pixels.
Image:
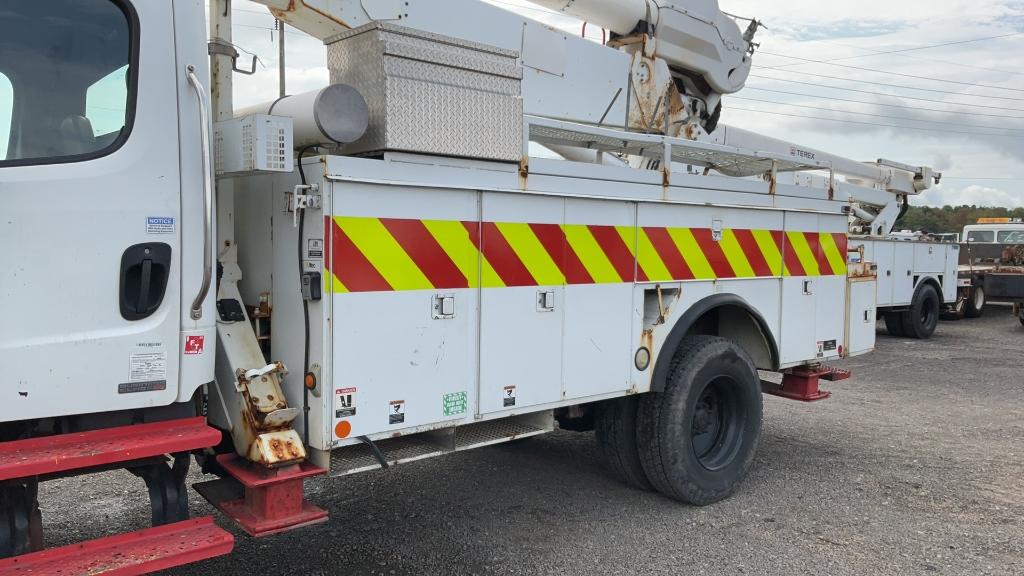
[{"x": 455, "y": 403}]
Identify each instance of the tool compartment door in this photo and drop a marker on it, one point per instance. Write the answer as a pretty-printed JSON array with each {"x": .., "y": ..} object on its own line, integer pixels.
[
  {"x": 814, "y": 287},
  {"x": 401, "y": 271},
  {"x": 90, "y": 231},
  {"x": 522, "y": 303}
]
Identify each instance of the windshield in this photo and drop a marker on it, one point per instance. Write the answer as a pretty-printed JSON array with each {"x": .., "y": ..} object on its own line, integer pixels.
[
  {"x": 64, "y": 79},
  {"x": 1011, "y": 237}
]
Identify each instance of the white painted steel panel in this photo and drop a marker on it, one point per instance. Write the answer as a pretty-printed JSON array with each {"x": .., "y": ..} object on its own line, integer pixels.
[
  {"x": 387, "y": 345},
  {"x": 861, "y": 329},
  {"x": 929, "y": 258},
  {"x": 598, "y": 345},
  {"x": 799, "y": 302},
  {"x": 520, "y": 346},
  {"x": 903, "y": 273},
  {"x": 882, "y": 253}
]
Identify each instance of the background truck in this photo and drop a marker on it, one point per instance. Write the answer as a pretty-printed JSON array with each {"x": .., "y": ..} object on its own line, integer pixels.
[
  {"x": 992, "y": 265},
  {"x": 381, "y": 271},
  {"x": 916, "y": 276}
]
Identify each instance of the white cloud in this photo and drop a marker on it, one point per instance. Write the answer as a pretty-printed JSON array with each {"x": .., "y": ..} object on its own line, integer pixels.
[{"x": 973, "y": 195}]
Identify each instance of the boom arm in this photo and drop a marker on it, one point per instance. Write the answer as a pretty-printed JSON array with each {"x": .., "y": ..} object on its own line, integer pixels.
[
  {"x": 674, "y": 61},
  {"x": 877, "y": 191}
]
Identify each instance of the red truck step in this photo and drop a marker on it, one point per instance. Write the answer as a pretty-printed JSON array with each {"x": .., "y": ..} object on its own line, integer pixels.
[
  {"x": 139, "y": 552},
  {"x": 64, "y": 452}
]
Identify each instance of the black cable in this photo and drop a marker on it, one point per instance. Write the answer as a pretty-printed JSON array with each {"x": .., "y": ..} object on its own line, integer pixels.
[
  {"x": 376, "y": 452},
  {"x": 305, "y": 306}
]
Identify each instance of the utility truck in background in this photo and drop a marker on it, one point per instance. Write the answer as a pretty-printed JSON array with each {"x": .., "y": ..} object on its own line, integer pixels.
[
  {"x": 380, "y": 271},
  {"x": 992, "y": 265},
  {"x": 916, "y": 276}
]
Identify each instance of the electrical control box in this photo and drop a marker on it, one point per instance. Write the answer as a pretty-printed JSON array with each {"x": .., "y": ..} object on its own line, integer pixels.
[{"x": 254, "y": 144}]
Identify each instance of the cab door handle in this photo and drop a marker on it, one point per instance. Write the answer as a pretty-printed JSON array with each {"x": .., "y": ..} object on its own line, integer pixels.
[{"x": 145, "y": 269}]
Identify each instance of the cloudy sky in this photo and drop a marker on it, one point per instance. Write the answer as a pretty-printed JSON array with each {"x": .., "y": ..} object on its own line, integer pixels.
[{"x": 938, "y": 82}]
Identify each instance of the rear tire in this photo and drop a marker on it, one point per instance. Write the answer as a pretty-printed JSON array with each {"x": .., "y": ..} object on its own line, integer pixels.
[
  {"x": 923, "y": 317},
  {"x": 697, "y": 438},
  {"x": 615, "y": 431},
  {"x": 894, "y": 324},
  {"x": 975, "y": 305}
]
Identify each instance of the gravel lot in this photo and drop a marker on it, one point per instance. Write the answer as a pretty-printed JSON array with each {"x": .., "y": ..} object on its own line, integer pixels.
[{"x": 915, "y": 466}]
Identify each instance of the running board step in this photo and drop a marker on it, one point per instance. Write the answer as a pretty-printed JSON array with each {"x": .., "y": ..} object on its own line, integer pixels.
[
  {"x": 80, "y": 450},
  {"x": 127, "y": 554},
  {"x": 404, "y": 449}
]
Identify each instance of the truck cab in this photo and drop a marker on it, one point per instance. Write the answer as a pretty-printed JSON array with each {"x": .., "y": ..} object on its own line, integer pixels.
[
  {"x": 102, "y": 189},
  {"x": 995, "y": 231}
]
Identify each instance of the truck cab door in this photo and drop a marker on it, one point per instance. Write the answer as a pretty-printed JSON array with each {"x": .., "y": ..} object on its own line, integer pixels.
[{"x": 91, "y": 224}]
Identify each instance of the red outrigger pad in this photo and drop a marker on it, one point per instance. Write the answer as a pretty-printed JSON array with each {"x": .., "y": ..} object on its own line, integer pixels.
[
  {"x": 273, "y": 500},
  {"x": 801, "y": 384},
  {"x": 63, "y": 452},
  {"x": 139, "y": 552}
]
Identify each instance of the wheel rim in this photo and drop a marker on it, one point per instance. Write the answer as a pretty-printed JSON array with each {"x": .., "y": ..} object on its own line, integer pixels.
[
  {"x": 717, "y": 424},
  {"x": 979, "y": 298}
]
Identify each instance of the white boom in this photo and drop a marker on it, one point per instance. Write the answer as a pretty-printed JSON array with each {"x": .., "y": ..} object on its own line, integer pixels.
[
  {"x": 878, "y": 191},
  {"x": 675, "y": 60}
]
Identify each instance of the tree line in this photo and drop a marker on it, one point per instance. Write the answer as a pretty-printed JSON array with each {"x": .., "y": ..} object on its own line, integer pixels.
[{"x": 951, "y": 218}]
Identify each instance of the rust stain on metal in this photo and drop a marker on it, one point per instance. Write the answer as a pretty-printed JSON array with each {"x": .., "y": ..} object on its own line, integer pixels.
[{"x": 524, "y": 172}]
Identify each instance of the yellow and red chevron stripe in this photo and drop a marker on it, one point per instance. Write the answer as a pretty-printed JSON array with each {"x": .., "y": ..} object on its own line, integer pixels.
[{"x": 388, "y": 254}]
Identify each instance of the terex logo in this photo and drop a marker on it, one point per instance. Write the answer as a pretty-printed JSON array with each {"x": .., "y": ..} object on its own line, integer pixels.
[{"x": 801, "y": 153}]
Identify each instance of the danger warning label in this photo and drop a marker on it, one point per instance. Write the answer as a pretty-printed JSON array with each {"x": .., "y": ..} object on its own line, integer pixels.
[
  {"x": 396, "y": 412},
  {"x": 345, "y": 403}
]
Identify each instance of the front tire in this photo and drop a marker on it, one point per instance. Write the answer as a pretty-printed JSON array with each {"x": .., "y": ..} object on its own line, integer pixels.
[
  {"x": 923, "y": 317},
  {"x": 697, "y": 438}
]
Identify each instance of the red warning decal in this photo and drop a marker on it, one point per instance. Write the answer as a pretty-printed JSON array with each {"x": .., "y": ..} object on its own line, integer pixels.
[{"x": 194, "y": 344}]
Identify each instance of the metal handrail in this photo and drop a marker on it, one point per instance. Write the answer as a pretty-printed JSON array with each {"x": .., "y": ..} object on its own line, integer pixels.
[{"x": 204, "y": 119}]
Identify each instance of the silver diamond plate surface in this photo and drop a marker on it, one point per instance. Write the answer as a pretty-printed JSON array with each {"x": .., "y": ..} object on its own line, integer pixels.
[{"x": 431, "y": 94}]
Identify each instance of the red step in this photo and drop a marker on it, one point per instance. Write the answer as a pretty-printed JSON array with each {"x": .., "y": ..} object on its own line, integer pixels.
[
  {"x": 139, "y": 552},
  {"x": 63, "y": 452}
]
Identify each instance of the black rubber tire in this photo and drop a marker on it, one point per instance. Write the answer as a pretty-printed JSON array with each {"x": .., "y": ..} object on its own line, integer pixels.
[
  {"x": 615, "y": 431},
  {"x": 712, "y": 383},
  {"x": 923, "y": 317},
  {"x": 894, "y": 324},
  {"x": 975, "y": 305}
]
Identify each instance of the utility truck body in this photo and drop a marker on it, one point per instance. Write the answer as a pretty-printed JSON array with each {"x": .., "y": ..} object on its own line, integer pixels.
[{"x": 383, "y": 270}]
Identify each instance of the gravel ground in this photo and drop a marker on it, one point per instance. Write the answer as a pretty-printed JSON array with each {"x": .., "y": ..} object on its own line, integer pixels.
[{"x": 915, "y": 466}]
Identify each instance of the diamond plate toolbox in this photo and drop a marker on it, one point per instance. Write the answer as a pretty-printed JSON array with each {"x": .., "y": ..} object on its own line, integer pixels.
[{"x": 431, "y": 94}]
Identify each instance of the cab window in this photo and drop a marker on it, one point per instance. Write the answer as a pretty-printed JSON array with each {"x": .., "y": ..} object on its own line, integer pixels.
[
  {"x": 981, "y": 236},
  {"x": 69, "y": 76},
  {"x": 1011, "y": 237}
]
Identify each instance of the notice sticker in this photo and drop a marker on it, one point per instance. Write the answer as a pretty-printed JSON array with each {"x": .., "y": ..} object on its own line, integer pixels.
[
  {"x": 396, "y": 412},
  {"x": 147, "y": 367},
  {"x": 509, "y": 396},
  {"x": 194, "y": 345},
  {"x": 345, "y": 403},
  {"x": 455, "y": 403},
  {"x": 159, "y": 225},
  {"x": 314, "y": 248}
]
